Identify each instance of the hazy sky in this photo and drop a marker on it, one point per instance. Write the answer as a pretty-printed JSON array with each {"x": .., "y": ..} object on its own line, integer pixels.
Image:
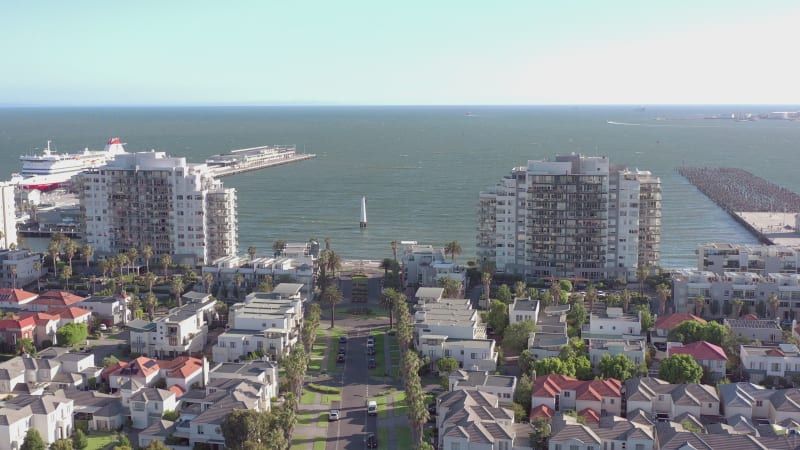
[{"x": 399, "y": 52}]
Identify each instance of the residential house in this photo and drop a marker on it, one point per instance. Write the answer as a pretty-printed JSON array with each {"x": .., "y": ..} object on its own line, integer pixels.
[
  {"x": 143, "y": 370},
  {"x": 12, "y": 330},
  {"x": 610, "y": 432},
  {"x": 673, "y": 436},
  {"x": 551, "y": 334},
  {"x": 184, "y": 372},
  {"x": 182, "y": 331},
  {"x": 297, "y": 264},
  {"x": 12, "y": 376},
  {"x": 657, "y": 397},
  {"x": 268, "y": 324},
  {"x": 762, "y": 330},
  {"x": 425, "y": 295},
  {"x": 72, "y": 314},
  {"x": 501, "y": 386},
  {"x": 426, "y": 265},
  {"x": 471, "y": 354},
  {"x": 149, "y": 404},
  {"x": 613, "y": 325},
  {"x": 53, "y": 299},
  {"x": 590, "y": 399},
  {"x": 667, "y": 323},
  {"x": 108, "y": 309},
  {"x": 103, "y": 412},
  {"x": 15, "y": 298},
  {"x": 264, "y": 372},
  {"x": 633, "y": 350},
  {"x": 522, "y": 309},
  {"x": 50, "y": 415},
  {"x": 747, "y": 400},
  {"x": 159, "y": 430},
  {"x": 472, "y": 419},
  {"x": 760, "y": 362},
  {"x": 453, "y": 318},
  {"x": 708, "y": 355},
  {"x": 18, "y": 267},
  {"x": 46, "y": 327}
]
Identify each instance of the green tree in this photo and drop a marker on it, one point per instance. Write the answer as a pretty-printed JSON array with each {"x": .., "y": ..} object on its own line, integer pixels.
[
  {"x": 773, "y": 303},
  {"x": 147, "y": 255},
  {"x": 278, "y": 246},
  {"x": 646, "y": 317},
  {"x": 71, "y": 334},
  {"x": 452, "y": 248},
  {"x": 576, "y": 316},
  {"x": 565, "y": 285},
  {"x": 332, "y": 296},
  {"x": 155, "y": 444},
  {"x": 583, "y": 368},
  {"x": 525, "y": 361},
  {"x": 25, "y": 346},
  {"x": 295, "y": 364},
  {"x": 79, "y": 440},
  {"x": 590, "y": 297},
  {"x": 738, "y": 304},
  {"x": 497, "y": 317},
  {"x": 389, "y": 297},
  {"x": 699, "y": 305},
  {"x": 166, "y": 261},
  {"x": 177, "y": 290},
  {"x": 70, "y": 248},
  {"x": 447, "y": 364},
  {"x": 553, "y": 365},
  {"x": 66, "y": 274},
  {"x": 171, "y": 415},
  {"x": 62, "y": 444},
  {"x": 680, "y": 369},
  {"x": 33, "y": 440},
  {"x": 452, "y": 288},
  {"x": 541, "y": 433},
  {"x": 37, "y": 267},
  {"x": 516, "y": 335},
  {"x": 619, "y": 367},
  {"x": 334, "y": 263},
  {"x": 625, "y": 297},
  {"x": 641, "y": 276},
  {"x": 520, "y": 288},
  {"x": 522, "y": 394},
  {"x": 486, "y": 280},
  {"x": 574, "y": 349},
  {"x": 504, "y": 294},
  {"x": 109, "y": 361},
  {"x": 663, "y": 292}
]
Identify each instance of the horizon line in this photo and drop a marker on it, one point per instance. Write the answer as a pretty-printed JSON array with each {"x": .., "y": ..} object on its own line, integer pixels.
[{"x": 367, "y": 105}]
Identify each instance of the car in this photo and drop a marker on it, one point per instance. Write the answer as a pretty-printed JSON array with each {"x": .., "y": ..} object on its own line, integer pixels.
[
  {"x": 343, "y": 339},
  {"x": 371, "y": 440},
  {"x": 370, "y": 340},
  {"x": 370, "y": 351},
  {"x": 340, "y": 358},
  {"x": 371, "y": 364},
  {"x": 372, "y": 408},
  {"x": 103, "y": 327},
  {"x": 432, "y": 409},
  {"x": 342, "y": 351},
  {"x": 333, "y": 415}
]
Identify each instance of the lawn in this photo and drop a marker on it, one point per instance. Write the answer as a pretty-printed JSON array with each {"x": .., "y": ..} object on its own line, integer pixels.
[
  {"x": 328, "y": 398},
  {"x": 99, "y": 441},
  {"x": 383, "y": 439},
  {"x": 305, "y": 417},
  {"x": 322, "y": 420},
  {"x": 333, "y": 350},
  {"x": 319, "y": 443},
  {"x": 399, "y": 406},
  {"x": 299, "y": 442},
  {"x": 308, "y": 397},
  {"x": 317, "y": 355},
  {"x": 383, "y": 407},
  {"x": 403, "y": 436}
]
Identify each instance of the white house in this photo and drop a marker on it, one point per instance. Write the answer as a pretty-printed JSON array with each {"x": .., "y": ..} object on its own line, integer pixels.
[
  {"x": 501, "y": 386},
  {"x": 656, "y": 396},
  {"x": 760, "y": 362},
  {"x": 148, "y": 405},
  {"x": 523, "y": 309},
  {"x": 108, "y": 309},
  {"x": 472, "y": 419},
  {"x": 51, "y": 415},
  {"x": 17, "y": 267},
  {"x": 182, "y": 331}
]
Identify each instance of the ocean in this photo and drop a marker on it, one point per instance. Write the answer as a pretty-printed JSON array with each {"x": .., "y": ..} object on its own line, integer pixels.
[{"x": 422, "y": 168}]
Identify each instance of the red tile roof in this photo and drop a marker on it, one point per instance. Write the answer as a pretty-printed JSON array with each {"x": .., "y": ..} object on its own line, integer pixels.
[
  {"x": 551, "y": 385},
  {"x": 16, "y": 295},
  {"x": 69, "y": 312},
  {"x": 17, "y": 323},
  {"x": 139, "y": 367},
  {"x": 673, "y": 320},
  {"x": 700, "y": 350},
  {"x": 182, "y": 366},
  {"x": 179, "y": 391},
  {"x": 40, "y": 318},
  {"x": 750, "y": 316},
  {"x": 542, "y": 411},
  {"x": 590, "y": 415},
  {"x": 57, "y": 298}
]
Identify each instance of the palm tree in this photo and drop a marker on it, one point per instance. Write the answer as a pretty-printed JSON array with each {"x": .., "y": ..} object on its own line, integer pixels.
[
  {"x": 53, "y": 249},
  {"x": 773, "y": 303},
  {"x": 641, "y": 277},
  {"x": 150, "y": 303},
  {"x": 389, "y": 297},
  {"x": 486, "y": 279},
  {"x": 104, "y": 266},
  {"x": 37, "y": 266},
  {"x": 591, "y": 297},
  {"x": 327, "y": 243},
  {"x": 555, "y": 292},
  {"x": 663, "y": 292},
  {"x": 331, "y": 296},
  {"x": 147, "y": 255},
  {"x": 66, "y": 274},
  {"x": 520, "y": 288},
  {"x": 625, "y": 296},
  {"x": 87, "y": 251},
  {"x": 452, "y": 248},
  {"x": 386, "y": 264},
  {"x": 322, "y": 263},
  {"x": 237, "y": 281},
  {"x": 394, "y": 244},
  {"x": 278, "y": 246},
  {"x": 149, "y": 280},
  {"x": 13, "y": 276},
  {"x": 699, "y": 305},
  {"x": 177, "y": 289},
  {"x": 132, "y": 254},
  {"x": 737, "y": 307},
  {"x": 70, "y": 248},
  {"x": 251, "y": 251},
  {"x": 135, "y": 305},
  {"x": 123, "y": 261},
  {"x": 208, "y": 278},
  {"x": 166, "y": 260},
  {"x": 334, "y": 263}
]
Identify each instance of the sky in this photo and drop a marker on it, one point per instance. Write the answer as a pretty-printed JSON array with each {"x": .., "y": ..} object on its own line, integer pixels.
[{"x": 398, "y": 52}]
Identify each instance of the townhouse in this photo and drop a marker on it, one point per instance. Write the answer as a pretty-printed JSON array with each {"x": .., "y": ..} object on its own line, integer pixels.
[
  {"x": 668, "y": 401},
  {"x": 747, "y": 400},
  {"x": 451, "y": 328},
  {"x": 184, "y": 372},
  {"x": 590, "y": 399},
  {"x": 18, "y": 267},
  {"x": 610, "y": 432},
  {"x": 53, "y": 299},
  {"x": 755, "y": 329},
  {"x": 472, "y": 420},
  {"x": 667, "y": 323},
  {"x": 111, "y": 310},
  {"x": 15, "y": 298},
  {"x": 551, "y": 334},
  {"x": 181, "y": 332},
  {"x": 102, "y": 412},
  {"x": 761, "y": 362},
  {"x": 50, "y": 415},
  {"x": 425, "y": 295},
  {"x": 501, "y": 386},
  {"x": 12, "y": 330},
  {"x": 264, "y": 372},
  {"x": 143, "y": 370},
  {"x": 426, "y": 265},
  {"x": 297, "y": 262},
  {"x": 708, "y": 355},
  {"x": 147, "y": 405},
  {"x": 522, "y": 309}
]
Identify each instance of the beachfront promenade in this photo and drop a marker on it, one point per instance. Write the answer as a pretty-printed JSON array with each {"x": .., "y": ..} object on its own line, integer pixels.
[{"x": 764, "y": 208}]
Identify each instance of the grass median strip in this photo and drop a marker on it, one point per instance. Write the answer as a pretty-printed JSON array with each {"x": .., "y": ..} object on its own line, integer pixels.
[
  {"x": 399, "y": 405},
  {"x": 402, "y": 437},
  {"x": 319, "y": 443},
  {"x": 383, "y": 439},
  {"x": 308, "y": 397}
]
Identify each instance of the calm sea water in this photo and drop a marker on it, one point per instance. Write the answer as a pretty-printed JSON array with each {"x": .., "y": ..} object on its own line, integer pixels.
[{"x": 422, "y": 168}]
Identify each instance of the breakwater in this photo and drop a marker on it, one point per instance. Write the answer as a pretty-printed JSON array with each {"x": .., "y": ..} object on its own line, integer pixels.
[{"x": 736, "y": 190}]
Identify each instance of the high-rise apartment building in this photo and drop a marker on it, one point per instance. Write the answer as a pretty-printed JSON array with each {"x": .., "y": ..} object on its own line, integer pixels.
[
  {"x": 574, "y": 217},
  {"x": 152, "y": 199},
  {"x": 8, "y": 216}
]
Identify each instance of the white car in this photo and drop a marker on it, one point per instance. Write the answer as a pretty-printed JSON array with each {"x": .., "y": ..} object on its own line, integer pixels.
[
  {"x": 333, "y": 415},
  {"x": 103, "y": 327},
  {"x": 372, "y": 408}
]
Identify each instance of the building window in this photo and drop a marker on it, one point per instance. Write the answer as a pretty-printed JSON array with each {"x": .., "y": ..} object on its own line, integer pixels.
[
  {"x": 759, "y": 403},
  {"x": 566, "y": 394},
  {"x": 199, "y": 429}
]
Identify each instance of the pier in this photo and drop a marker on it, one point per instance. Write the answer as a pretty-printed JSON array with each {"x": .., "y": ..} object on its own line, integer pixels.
[
  {"x": 255, "y": 158},
  {"x": 767, "y": 210}
]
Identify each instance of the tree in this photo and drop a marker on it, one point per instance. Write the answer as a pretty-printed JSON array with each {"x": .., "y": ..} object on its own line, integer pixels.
[
  {"x": 680, "y": 369},
  {"x": 70, "y": 248},
  {"x": 332, "y": 296},
  {"x": 663, "y": 292},
  {"x": 265, "y": 285},
  {"x": 452, "y": 248},
  {"x": 452, "y": 288},
  {"x": 516, "y": 335},
  {"x": 522, "y": 394},
  {"x": 641, "y": 276},
  {"x": 699, "y": 305},
  {"x": 63, "y": 444},
  {"x": 504, "y": 294},
  {"x": 177, "y": 289},
  {"x": 53, "y": 249},
  {"x": 66, "y": 274},
  {"x": 520, "y": 288},
  {"x": 33, "y": 440},
  {"x": 541, "y": 433},
  {"x": 497, "y": 317},
  {"x": 166, "y": 261},
  {"x": 619, "y": 367},
  {"x": 37, "y": 267},
  {"x": 295, "y": 364},
  {"x": 150, "y": 304},
  {"x": 565, "y": 285},
  {"x": 583, "y": 368},
  {"x": 447, "y": 364},
  {"x": 25, "y": 346},
  {"x": 738, "y": 304},
  {"x": 109, "y": 361},
  {"x": 590, "y": 297},
  {"x": 147, "y": 255},
  {"x": 555, "y": 292},
  {"x": 553, "y": 365},
  {"x": 389, "y": 297},
  {"x": 278, "y": 246},
  {"x": 486, "y": 280},
  {"x": 334, "y": 263},
  {"x": 576, "y": 316},
  {"x": 405, "y": 328},
  {"x": 525, "y": 361},
  {"x": 71, "y": 334},
  {"x": 646, "y": 317},
  {"x": 155, "y": 444},
  {"x": 773, "y": 303},
  {"x": 690, "y": 331},
  {"x": 394, "y": 245},
  {"x": 79, "y": 439},
  {"x": 625, "y": 297}
]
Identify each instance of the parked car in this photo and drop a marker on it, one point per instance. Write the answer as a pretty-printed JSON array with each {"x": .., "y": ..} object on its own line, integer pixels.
[
  {"x": 370, "y": 351},
  {"x": 342, "y": 351},
  {"x": 103, "y": 327},
  {"x": 372, "y": 440},
  {"x": 372, "y": 408},
  {"x": 343, "y": 339},
  {"x": 340, "y": 358},
  {"x": 333, "y": 415},
  {"x": 371, "y": 364}
]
